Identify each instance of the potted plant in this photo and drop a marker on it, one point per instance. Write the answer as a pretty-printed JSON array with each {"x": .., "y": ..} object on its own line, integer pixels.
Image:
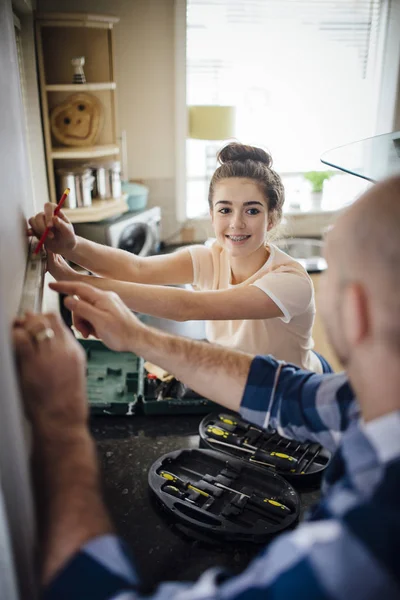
[{"x": 317, "y": 178}]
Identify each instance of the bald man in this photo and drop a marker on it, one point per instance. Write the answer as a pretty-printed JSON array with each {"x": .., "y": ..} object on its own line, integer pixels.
[{"x": 349, "y": 546}]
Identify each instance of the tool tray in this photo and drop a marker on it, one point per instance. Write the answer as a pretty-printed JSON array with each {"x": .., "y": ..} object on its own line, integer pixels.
[
  {"x": 117, "y": 385},
  {"x": 260, "y": 504},
  {"x": 266, "y": 449}
]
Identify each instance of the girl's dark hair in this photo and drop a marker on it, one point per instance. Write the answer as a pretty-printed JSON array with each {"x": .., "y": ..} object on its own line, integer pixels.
[{"x": 238, "y": 160}]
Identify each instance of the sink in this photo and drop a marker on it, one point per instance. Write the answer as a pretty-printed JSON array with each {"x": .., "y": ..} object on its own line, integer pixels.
[{"x": 307, "y": 251}]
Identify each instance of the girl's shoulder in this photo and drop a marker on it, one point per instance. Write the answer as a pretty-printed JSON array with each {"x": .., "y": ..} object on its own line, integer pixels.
[
  {"x": 280, "y": 260},
  {"x": 210, "y": 250}
]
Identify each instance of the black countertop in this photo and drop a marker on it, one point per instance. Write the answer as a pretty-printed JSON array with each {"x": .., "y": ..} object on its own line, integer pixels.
[{"x": 127, "y": 447}]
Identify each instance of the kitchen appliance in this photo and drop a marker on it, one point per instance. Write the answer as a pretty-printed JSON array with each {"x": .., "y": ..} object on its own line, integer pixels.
[{"x": 136, "y": 232}]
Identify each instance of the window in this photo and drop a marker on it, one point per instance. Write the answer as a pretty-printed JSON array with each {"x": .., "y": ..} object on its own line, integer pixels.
[{"x": 303, "y": 75}]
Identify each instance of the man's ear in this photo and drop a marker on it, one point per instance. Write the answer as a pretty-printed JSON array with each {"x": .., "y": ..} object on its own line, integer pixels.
[{"x": 355, "y": 314}]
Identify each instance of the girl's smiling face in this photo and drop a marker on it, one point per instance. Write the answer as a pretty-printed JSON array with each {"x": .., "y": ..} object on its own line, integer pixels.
[{"x": 240, "y": 216}]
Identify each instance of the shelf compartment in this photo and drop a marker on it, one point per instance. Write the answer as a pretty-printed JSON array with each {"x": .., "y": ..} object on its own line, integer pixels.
[
  {"x": 61, "y": 44},
  {"x": 84, "y": 152},
  {"x": 106, "y": 134},
  {"x": 81, "y": 87},
  {"x": 99, "y": 210}
]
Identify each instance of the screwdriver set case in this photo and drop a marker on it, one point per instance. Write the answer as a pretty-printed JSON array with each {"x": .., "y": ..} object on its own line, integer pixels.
[
  {"x": 117, "y": 384},
  {"x": 216, "y": 498},
  {"x": 300, "y": 463}
]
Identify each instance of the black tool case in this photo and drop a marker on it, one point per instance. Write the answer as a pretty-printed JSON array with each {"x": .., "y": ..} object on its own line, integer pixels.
[
  {"x": 117, "y": 384},
  {"x": 300, "y": 463},
  {"x": 258, "y": 504}
]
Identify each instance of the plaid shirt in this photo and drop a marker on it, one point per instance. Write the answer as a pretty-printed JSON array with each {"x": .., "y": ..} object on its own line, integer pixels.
[{"x": 348, "y": 548}]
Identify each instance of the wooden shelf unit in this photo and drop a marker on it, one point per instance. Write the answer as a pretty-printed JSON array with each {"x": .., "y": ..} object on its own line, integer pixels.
[{"x": 59, "y": 38}]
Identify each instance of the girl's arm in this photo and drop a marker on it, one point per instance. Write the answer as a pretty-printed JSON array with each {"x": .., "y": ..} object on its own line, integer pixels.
[
  {"x": 247, "y": 302},
  {"x": 106, "y": 261},
  {"x": 175, "y": 268}
]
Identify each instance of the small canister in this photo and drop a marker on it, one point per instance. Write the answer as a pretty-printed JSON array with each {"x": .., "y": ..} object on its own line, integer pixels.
[
  {"x": 84, "y": 183},
  {"x": 83, "y": 186},
  {"x": 66, "y": 179},
  {"x": 115, "y": 179},
  {"x": 101, "y": 182}
]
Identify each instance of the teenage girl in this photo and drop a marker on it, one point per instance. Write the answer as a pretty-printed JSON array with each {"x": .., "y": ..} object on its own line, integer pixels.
[{"x": 253, "y": 296}]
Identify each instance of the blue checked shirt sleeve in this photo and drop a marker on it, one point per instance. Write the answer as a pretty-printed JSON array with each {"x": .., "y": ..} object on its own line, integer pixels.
[
  {"x": 317, "y": 560},
  {"x": 298, "y": 404}
]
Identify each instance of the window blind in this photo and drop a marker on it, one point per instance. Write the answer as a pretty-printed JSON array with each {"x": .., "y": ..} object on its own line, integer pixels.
[{"x": 303, "y": 75}]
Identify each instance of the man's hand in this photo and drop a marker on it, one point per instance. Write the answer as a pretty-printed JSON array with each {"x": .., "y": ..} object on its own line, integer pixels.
[
  {"x": 61, "y": 237},
  {"x": 99, "y": 313},
  {"x": 52, "y": 370}
]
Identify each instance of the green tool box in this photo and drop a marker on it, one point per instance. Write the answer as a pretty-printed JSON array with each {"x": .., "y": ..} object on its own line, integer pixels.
[{"x": 117, "y": 385}]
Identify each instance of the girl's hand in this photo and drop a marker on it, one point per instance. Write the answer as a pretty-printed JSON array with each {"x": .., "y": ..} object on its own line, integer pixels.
[
  {"x": 61, "y": 237},
  {"x": 99, "y": 313},
  {"x": 58, "y": 267}
]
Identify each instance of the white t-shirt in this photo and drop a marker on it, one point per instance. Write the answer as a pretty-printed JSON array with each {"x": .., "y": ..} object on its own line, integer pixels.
[{"x": 286, "y": 282}]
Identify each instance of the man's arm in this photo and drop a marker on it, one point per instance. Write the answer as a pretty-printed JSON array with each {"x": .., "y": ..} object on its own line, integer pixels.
[
  {"x": 330, "y": 559},
  {"x": 299, "y": 404},
  {"x": 69, "y": 504},
  {"x": 66, "y": 480}
]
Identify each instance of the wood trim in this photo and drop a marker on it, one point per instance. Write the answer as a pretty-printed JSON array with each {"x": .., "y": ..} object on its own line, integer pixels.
[
  {"x": 66, "y": 18},
  {"x": 45, "y": 114}
]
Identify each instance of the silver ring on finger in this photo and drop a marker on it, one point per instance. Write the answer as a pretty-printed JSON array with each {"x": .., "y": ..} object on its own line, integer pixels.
[{"x": 44, "y": 334}]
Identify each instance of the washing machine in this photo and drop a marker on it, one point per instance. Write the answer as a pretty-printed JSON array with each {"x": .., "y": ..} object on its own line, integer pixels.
[{"x": 136, "y": 232}]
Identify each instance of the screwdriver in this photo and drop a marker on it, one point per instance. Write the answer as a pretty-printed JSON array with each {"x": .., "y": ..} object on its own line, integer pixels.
[
  {"x": 182, "y": 484},
  {"x": 258, "y": 501},
  {"x": 252, "y": 499},
  {"x": 281, "y": 461},
  {"x": 173, "y": 491},
  {"x": 230, "y": 420}
]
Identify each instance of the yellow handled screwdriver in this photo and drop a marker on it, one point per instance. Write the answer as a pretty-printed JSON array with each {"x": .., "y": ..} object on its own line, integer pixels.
[
  {"x": 278, "y": 460},
  {"x": 275, "y": 506},
  {"x": 182, "y": 484},
  {"x": 230, "y": 420},
  {"x": 257, "y": 500},
  {"x": 174, "y": 491}
]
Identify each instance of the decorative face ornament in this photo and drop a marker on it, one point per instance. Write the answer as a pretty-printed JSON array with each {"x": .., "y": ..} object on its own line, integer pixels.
[{"x": 78, "y": 120}]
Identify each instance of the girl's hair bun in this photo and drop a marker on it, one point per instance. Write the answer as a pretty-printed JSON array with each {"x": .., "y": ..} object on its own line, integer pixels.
[{"x": 240, "y": 152}]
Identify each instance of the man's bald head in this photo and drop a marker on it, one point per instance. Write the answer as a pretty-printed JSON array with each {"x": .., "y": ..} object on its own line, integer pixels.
[{"x": 365, "y": 247}]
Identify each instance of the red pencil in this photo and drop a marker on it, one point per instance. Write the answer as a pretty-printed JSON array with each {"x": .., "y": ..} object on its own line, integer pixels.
[{"x": 56, "y": 211}]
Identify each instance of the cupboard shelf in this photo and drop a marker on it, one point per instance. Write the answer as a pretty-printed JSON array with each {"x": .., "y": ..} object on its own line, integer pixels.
[
  {"x": 59, "y": 38},
  {"x": 100, "y": 209},
  {"x": 81, "y": 87},
  {"x": 64, "y": 153}
]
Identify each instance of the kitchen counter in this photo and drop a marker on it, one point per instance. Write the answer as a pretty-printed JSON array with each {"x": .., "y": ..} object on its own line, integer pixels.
[{"x": 127, "y": 447}]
